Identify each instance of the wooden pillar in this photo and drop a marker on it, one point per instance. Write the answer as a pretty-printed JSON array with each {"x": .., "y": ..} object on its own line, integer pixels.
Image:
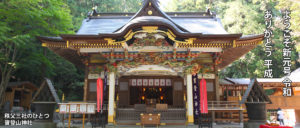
[
  {"x": 213, "y": 116},
  {"x": 227, "y": 92},
  {"x": 86, "y": 82},
  {"x": 189, "y": 93},
  {"x": 217, "y": 86},
  {"x": 111, "y": 97}
]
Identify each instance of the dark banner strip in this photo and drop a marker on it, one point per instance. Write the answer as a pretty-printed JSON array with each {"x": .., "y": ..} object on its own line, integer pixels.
[{"x": 196, "y": 96}]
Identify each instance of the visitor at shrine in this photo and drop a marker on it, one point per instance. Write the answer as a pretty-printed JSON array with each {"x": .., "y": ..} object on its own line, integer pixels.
[{"x": 280, "y": 116}]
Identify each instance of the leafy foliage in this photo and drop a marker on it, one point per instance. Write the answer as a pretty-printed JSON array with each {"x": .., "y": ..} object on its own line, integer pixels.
[
  {"x": 251, "y": 21},
  {"x": 20, "y": 23},
  {"x": 81, "y": 8},
  {"x": 247, "y": 17}
]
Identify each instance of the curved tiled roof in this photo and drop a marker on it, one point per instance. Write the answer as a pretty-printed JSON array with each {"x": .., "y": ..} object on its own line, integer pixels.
[
  {"x": 204, "y": 25},
  {"x": 194, "y": 22},
  {"x": 203, "y": 29}
]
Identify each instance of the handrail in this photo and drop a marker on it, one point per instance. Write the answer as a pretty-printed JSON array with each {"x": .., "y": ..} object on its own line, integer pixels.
[{"x": 224, "y": 105}]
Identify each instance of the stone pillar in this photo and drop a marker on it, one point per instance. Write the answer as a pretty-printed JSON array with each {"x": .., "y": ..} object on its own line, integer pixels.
[
  {"x": 189, "y": 93},
  {"x": 111, "y": 98}
]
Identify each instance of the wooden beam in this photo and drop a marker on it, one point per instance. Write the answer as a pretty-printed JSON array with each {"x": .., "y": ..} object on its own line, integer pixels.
[{"x": 38, "y": 92}]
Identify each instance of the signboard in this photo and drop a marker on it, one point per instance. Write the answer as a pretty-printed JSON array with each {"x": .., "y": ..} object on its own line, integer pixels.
[
  {"x": 156, "y": 82},
  {"x": 162, "y": 82},
  {"x": 96, "y": 76},
  {"x": 73, "y": 108},
  {"x": 207, "y": 76},
  {"x": 145, "y": 82},
  {"x": 91, "y": 108},
  {"x": 168, "y": 82},
  {"x": 133, "y": 82},
  {"x": 77, "y": 108},
  {"x": 68, "y": 108},
  {"x": 151, "y": 82},
  {"x": 82, "y": 108},
  {"x": 139, "y": 82},
  {"x": 63, "y": 108}
]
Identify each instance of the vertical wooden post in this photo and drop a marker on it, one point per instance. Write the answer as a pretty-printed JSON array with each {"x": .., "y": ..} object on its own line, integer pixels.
[
  {"x": 85, "y": 88},
  {"x": 213, "y": 116},
  {"x": 217, "y": 86},
  {"x": 63, "y": 119},
  {"x": 83, "y": 119},
  {"x": 227, "y": 92},
  {"x": 69, "y": 124},
  {"x": 241, "y": 117},
  {"x": 189, "y": 93}
]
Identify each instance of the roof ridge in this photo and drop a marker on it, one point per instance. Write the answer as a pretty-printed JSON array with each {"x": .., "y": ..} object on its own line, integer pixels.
[
  {"x": 151, "y": 8},
  {"x": 255, "y": 94}
]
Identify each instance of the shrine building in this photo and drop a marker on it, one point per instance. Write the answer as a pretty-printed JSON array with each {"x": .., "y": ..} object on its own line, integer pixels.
[{"x": 148, "y": 59}]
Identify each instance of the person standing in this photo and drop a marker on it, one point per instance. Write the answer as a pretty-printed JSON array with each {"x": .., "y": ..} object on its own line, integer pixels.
[{"x": 280, "y": 116}]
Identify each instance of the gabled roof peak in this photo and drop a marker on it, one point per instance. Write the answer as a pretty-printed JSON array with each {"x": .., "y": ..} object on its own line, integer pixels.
[{"x": 151, "y": 8}]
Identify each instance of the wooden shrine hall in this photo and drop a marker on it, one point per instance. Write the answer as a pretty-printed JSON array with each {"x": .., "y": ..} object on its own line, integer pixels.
[{"x": 147, "y": 60}]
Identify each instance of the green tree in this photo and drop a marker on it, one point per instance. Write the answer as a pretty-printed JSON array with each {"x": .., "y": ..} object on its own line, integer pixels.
[
  {"x": 80, "y": 8},
  {"x": 251, "y": 21},
  {"x": 247, "y": 17},
  {"x": 20, "y": 23}
]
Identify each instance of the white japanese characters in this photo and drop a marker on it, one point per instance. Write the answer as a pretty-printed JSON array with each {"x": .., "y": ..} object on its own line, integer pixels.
[
  {"x": 286, "y": 53},
  {"x": 268, "y": 44}
]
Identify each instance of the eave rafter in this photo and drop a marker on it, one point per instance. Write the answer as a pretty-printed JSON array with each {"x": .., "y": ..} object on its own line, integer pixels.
[
  {"x": 101, "y": 43},
  {"x": 231, "y": 46},
  {"x": 204, "y": 43},
  {"x": 77, "y": 44},
  {"x": 247, "y": 42},
  {"x": 195, "y": 41},
  {"x": 50, "y": 44},
  {"x": 240, "y": 47}
]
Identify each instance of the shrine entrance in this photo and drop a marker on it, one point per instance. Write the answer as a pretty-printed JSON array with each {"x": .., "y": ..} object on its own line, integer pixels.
[
  {"x": 151, "y": 90},
  {"x": 158, "y": 91},
  {"x": 151, "y": 95}
]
